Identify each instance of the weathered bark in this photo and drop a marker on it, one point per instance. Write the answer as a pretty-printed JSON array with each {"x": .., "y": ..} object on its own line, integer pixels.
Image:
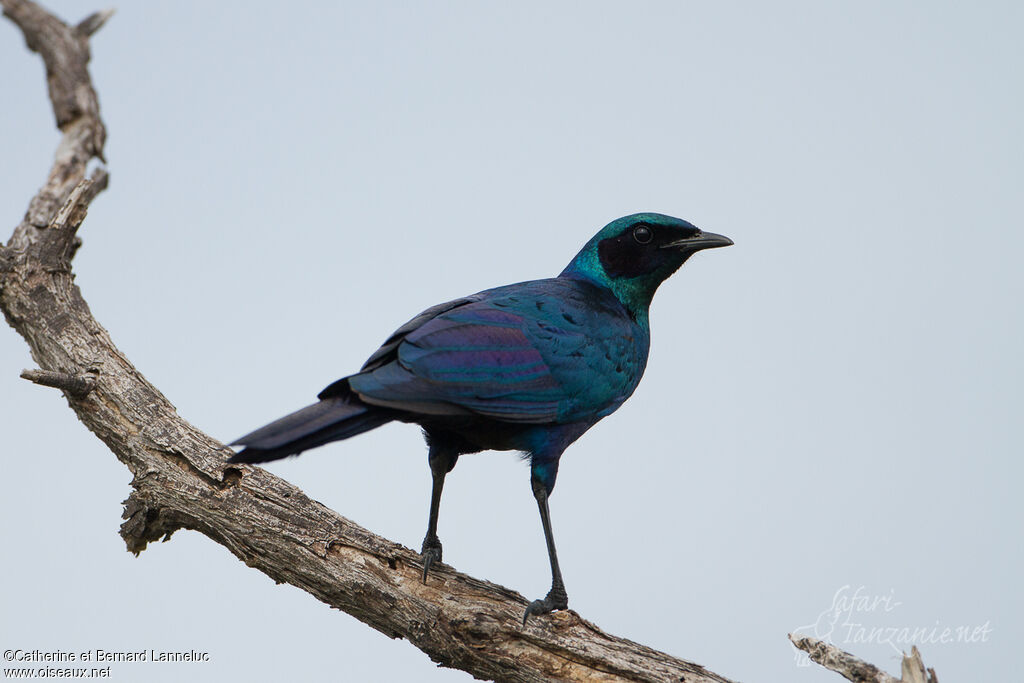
[{"x": 181, "y": 480}]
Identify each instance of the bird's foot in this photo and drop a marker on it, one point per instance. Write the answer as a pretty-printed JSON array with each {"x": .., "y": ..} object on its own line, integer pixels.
[
  {"x": 431, "y": 554},
  {"x": 556, "y": 599}
]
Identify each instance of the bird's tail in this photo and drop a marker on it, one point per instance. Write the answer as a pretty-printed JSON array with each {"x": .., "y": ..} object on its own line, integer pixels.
[{"x": 330, "y": 419}]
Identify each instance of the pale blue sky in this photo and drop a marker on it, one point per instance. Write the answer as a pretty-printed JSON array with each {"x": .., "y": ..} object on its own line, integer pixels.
[{"x": 835, "y": 401}]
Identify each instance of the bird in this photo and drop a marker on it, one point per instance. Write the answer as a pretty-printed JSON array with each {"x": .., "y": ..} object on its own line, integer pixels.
[{"x": 526, "y": 367}]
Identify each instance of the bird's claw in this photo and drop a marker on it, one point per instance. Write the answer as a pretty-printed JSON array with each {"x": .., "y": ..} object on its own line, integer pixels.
[
  {"x": 431, "y": 554},
  {"x": 556, "y": 599}
]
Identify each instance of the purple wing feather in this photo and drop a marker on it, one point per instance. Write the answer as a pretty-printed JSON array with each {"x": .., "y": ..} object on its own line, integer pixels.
[{"x": 473, "y": 359}]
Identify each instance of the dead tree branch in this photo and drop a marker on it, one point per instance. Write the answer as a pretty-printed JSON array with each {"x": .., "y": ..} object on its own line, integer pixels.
[
  {"x": 76, "y": 385},
  {"x": 180, "y": 478},
  {"x": 853, "y": 669}
]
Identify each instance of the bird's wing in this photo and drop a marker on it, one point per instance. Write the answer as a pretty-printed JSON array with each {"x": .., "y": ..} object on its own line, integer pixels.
[
  {"x": 475, "y": 357},
  {"x": 388, "y": 351}
]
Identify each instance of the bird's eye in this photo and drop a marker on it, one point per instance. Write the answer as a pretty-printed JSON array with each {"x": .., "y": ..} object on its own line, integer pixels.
[{"x": 642, "y": 234}]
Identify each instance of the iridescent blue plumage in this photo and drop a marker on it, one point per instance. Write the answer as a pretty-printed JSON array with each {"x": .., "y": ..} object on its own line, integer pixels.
[
  {"x": 528, "y": 367},
  {"x": 547, "y": 351}
]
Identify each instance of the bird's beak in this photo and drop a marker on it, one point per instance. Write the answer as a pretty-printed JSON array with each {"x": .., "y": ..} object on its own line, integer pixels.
[{"x": 705, "y": 240}]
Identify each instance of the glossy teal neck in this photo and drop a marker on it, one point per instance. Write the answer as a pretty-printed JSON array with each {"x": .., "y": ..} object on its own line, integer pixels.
[{"x": 634, "y": 293}]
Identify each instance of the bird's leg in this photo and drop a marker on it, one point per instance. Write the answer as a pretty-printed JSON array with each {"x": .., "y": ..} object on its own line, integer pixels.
[
  {"x": 431, "y": 550},
  {"x": 556, "y": 598},
  {"x": 441, "y": 463}
]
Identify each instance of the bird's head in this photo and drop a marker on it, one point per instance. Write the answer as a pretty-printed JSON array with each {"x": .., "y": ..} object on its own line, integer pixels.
[{"x": 631, "y": 256}]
